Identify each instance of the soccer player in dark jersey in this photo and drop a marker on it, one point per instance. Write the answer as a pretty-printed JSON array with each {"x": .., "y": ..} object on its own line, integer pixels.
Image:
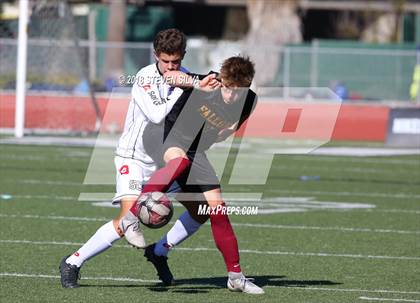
[{"x": 197, "y": 120}]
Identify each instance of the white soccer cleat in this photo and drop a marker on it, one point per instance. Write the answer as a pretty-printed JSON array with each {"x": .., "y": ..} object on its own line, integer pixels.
[
  {"x": 130, "y": 226},
  {"x": 243, "y": 284}
]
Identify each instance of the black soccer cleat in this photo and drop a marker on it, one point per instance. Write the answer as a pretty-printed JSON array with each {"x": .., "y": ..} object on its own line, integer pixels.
[
  {"x": 161, "y": 265},
  {"x": 69, "y": 274}
]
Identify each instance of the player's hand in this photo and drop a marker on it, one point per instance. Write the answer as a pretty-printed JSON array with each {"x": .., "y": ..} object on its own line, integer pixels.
[
  {"x": 175, "y": 78},
  {"x": 209, "y": 83}
]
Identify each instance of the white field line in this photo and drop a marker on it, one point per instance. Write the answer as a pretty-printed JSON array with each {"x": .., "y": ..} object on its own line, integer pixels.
[
  {"x": 300, "y": 153},
  {"x": 40, "y": 158},
  {"x": 122, "y": 279},
  {"x": 69, "y": 156},
  {"x": 44, "y": 182},
  {"x": 46, "y": 197},
  {"x": 387, "y": 299},
  {"x": 65, "y": 218},
  {"x": 343, "y": 193},
  {"x": 21, "y": 157},
  {"x": 250, "y": 251},
  {"x": 298, "y": 192},
  {"x": 342, "y": 229},
  {"x": 127, "y": 279},
  {"x": 385, "y": 291},
  {"x": 251, "y": 225},
  {"x": 402, "y": 211},
  {"x": 376, "y": 160},
  {"x": 252, "y": 148},
  {"x": 286, "y": 208},
  {"x": 69, "y": 183},
  {"x": 338, "y": 169},
  {"x": 278, "y": 167}
]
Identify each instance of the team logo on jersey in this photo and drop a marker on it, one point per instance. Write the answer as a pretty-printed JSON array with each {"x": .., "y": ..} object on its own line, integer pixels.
[
  {"x": 161, "y": 102},
  {"x": 212, "y": 118},
  {"x": 153, "y": 96},
  {"x": 124, "y": 170}
]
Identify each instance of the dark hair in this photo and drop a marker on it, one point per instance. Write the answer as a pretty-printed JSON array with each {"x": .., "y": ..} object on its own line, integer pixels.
[
  {"x": 237, "y": 71},
  {"x": 170, "y": 41}
]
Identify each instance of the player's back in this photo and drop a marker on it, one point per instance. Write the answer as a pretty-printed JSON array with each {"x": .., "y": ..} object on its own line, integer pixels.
[{"x": 198, "y": 116}]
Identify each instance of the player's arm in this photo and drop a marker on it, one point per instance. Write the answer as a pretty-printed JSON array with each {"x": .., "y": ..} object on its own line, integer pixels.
[
  {"x": 184, "y": 80},
  {"x": 148, "y": 99}
]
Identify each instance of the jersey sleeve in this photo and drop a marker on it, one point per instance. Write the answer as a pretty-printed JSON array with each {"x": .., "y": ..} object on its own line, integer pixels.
[
  {"x": 154, "y": 106},
  {"x": 200, "y": 76}
]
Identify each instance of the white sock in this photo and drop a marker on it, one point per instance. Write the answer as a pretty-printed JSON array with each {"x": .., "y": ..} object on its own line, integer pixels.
[
  {"x": 183, "y": 228},
  {"x": 99, "y": 242},
  {"x": 235, "y": 275}
]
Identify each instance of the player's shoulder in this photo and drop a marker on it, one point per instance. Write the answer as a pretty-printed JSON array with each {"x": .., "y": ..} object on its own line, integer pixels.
[
  {"x": 152, "y": 69},
  {"x": 148, "y": 75},
  {"x": 148, "y": 70}
]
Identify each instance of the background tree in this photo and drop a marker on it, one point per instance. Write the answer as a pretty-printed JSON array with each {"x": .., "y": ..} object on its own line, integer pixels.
[
  {"x": 273, "y": 23},
  {"x": 116, "y": 33}
]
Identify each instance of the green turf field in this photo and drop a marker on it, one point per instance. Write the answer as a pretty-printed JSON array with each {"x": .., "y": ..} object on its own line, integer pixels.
[{"x": 323, "y": 251}]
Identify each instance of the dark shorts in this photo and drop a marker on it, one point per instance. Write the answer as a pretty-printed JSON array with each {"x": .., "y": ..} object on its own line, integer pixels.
[{"x": 201, "y": 176}]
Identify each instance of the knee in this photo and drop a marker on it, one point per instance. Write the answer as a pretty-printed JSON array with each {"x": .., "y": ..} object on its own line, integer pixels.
[{"x": 173, "y": 153}]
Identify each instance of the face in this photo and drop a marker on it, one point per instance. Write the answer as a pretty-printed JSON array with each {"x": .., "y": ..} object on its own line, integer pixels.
[
  {"x": 232, "y": 94},
  {"x": 168, "y": 62}
]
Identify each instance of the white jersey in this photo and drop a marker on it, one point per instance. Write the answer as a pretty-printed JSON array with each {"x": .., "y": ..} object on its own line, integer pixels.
[{"x": 151, "y": 101}]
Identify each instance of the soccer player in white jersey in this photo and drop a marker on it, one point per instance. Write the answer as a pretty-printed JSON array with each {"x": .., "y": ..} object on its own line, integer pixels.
[{"x": 151, "y": 100}]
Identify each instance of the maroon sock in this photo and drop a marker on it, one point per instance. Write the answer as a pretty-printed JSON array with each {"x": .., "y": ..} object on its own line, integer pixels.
[
  {"x": 225, "y": 240},
  {"x": 163, "y": 178}
]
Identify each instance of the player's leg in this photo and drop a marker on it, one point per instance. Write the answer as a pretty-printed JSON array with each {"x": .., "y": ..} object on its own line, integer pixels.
[
  {"x": 186, "y": 225},
  {"x": 129, "y": 224},
  {"x": 108, "y": 233},
  {"x": 222, "y": 230},
  {"x": 161, "y": 180},
  {"x": 226, "y": 242},
  {"x": 175, "y": 161},
  {"x": 177, "y": 164},
  {"x": 100, "y": 241},
  {"x": 190, "y": 221},
  {"x": 201, "y": 176}
]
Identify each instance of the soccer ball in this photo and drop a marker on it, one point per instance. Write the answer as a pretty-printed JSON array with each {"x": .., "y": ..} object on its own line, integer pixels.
[{"x": 155, "y": 209}]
